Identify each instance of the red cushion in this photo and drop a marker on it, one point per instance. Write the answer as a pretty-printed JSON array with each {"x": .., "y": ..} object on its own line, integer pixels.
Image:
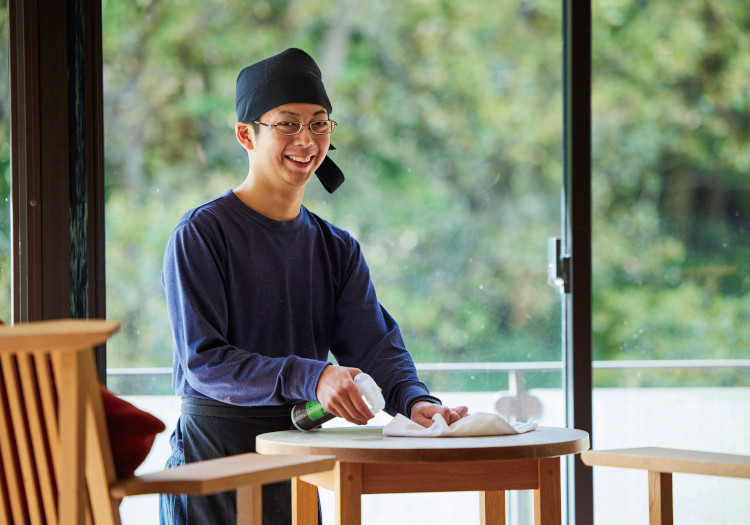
[{"x": 131, "y": 432}]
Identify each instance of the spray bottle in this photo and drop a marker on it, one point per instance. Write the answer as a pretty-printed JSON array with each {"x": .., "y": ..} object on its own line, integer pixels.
[{"x": 311, "y": 414}]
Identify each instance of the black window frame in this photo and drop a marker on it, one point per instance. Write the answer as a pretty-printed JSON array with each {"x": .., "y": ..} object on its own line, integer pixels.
[{"x": 57, "y": 152}]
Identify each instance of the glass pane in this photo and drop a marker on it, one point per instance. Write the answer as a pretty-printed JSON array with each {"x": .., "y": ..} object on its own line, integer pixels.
[
  {"x": 449, "y": 134},
  {"x": 671, "y": 246},
  {"x": 5, "y": 274}
]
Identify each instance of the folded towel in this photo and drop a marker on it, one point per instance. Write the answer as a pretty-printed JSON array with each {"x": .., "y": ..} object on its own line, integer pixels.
[{"x": 478, "y": 424}]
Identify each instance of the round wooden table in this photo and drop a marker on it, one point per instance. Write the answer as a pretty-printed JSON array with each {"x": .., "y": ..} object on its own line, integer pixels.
[{"x": 370, "y": 463}]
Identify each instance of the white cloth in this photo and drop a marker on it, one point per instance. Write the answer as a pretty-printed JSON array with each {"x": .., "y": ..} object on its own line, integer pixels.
[{"x": 478, "y": 424}]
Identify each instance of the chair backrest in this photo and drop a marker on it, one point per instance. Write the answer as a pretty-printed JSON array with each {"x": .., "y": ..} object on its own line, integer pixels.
[{"x": 55, "y": 456}]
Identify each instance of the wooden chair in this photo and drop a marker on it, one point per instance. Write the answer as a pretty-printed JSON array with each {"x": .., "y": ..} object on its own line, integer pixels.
[
  {"x": 55, "y": 456},
  {"x": 661, "y": 463}
]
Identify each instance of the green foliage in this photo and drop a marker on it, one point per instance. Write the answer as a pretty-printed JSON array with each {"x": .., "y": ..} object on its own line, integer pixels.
[
  {"x": 463, "y": 184},
  {"x": 671, "y": 105},
  {"x": 450, "y": 133},
  {"x": 450, "y": 136}
]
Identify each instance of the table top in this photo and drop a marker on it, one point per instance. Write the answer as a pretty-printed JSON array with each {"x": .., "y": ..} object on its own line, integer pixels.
[{"x": 368, "y": 444}]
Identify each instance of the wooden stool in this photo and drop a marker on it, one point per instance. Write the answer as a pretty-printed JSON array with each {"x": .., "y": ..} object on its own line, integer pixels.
[{"x": 661, "y": 463}]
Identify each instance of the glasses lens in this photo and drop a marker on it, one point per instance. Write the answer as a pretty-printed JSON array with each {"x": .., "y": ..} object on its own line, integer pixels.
[
  {"x": 288, "y": 128},
  {"x": 322, "y": 127}
]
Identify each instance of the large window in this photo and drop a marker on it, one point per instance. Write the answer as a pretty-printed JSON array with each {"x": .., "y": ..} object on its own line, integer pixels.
[
  {"x": 450, "y": 137},
  {"x": 671, "y": 246}
]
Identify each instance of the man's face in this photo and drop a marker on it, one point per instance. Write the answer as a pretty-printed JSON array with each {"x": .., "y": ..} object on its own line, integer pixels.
[{"x": 289, "y": 159}]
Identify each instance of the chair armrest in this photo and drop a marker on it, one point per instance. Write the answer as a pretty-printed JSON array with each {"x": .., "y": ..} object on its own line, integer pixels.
[
  {"x": 64, "y": 335},
  {"x": 222, "y": 474},
  {"x": 658, "y": 459}
]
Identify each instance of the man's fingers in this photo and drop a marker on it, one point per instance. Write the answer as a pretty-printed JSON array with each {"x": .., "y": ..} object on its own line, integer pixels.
[
  {"x": 341, "y": 397},
  {"x": 457, "y": 413},
  {"x": 424, "y": 421},
  {"x": 422, "y": 413},
  {"x": 354, "y": 409}
]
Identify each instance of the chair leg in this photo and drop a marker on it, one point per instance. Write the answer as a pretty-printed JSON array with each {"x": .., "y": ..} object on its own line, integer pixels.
[
  {"x": 304, "y": 503},
  {"x": 250, "y": 505},
  {"x": 660, "y": 498}
]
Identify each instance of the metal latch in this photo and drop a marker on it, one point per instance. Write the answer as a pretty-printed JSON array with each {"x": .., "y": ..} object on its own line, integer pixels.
[{"x": 558, "y": 266}]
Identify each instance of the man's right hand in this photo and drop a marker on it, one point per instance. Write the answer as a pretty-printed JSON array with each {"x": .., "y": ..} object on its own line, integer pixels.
[{"x": 338, "y": 394}]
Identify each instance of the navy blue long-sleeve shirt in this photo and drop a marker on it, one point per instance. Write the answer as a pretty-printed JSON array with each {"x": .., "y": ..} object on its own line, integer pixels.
[{"x": 255, "y": 305}]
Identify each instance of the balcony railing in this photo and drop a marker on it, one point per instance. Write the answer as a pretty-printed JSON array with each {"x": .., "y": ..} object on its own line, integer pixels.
[
  {"x": 678, "y": 417},
  {"x": 511, "y": 366},
  {"x": 515, "y": 403}
]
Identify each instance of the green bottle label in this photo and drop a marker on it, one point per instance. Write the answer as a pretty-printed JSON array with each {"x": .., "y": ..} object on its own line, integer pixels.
[
  {"x": 308, "y": 415},
  {"x": 315, "y": 410}
]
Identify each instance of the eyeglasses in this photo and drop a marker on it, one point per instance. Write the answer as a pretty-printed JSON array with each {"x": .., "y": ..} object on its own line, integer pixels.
[{"x": 319, "y": 127}]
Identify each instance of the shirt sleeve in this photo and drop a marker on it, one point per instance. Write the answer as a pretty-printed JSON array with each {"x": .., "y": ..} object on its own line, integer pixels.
[
  {"x": 367, "y": 337},
  {"x": 206, "y": 364}
]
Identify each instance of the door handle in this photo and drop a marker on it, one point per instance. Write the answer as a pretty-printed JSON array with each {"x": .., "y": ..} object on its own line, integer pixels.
[{"x": 558, "y": 266}]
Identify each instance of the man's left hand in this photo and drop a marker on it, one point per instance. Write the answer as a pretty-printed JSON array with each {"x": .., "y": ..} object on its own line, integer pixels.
[{"x": 422, "y": 412}]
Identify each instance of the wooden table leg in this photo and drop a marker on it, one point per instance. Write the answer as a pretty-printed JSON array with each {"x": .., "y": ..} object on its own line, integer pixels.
[
  {"x": 348, "y": 483},
  {"x": 660, "y": 498},
  {"x": 547, "y": 498},
  {"x": 492, "y": 507},
  {"x": 304, "y": 503}
]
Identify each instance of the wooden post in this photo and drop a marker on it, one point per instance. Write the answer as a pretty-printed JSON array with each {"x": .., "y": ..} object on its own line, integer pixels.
[
  {"x": 304, "y": 503},
  {"x": 348, "y": 483},
  {"x": 71, "y": 483},
  {"x": 660, "y": 498},
  {"x": 250, "y": 505},
  {"x": 548, "y": 497},
  {"x": 492, "y": 507}
]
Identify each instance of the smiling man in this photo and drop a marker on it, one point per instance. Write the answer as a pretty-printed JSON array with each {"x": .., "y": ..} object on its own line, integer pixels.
[{"x": 259, "y": 290}]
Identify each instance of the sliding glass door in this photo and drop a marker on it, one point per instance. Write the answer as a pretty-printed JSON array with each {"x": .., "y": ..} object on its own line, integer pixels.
[
  {"x": 450, "y": 126},
  {"x": 671, "y": 216}
]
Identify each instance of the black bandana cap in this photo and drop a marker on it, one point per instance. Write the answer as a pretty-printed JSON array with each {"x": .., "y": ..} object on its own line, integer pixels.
[{"x": 292, "y": 76}]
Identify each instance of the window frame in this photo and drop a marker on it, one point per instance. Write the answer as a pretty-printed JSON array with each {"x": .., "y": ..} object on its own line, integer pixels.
[
  {"x": 576, "y": 243},
  {"x": 57, "y": 151}
]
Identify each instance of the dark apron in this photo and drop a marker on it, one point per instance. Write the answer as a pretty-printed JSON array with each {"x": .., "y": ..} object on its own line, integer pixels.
[{"x": 211, "y": 429}]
